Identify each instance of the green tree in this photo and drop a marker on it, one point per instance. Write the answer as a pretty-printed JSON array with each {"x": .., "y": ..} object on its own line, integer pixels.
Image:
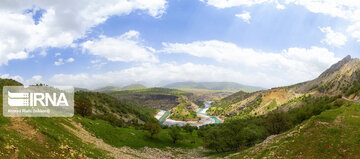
[
  {"x": 153, "y": 128},
  {"x": 175, "y": 133},
  {"x": 83, "y": 107},
  {"x": 277, "y": 122}
]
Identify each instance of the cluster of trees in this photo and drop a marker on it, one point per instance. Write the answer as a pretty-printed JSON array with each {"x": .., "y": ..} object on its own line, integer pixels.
[{"x": 241, "y": 133}]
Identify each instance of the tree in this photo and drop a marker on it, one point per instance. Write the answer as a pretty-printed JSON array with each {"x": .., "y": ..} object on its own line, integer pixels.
[
  {"x": 153, "y": 128},
  {"x": 83, "y": 107},
  {"x": 175, "y": 133},
  {"x": 277, "y": 121}
]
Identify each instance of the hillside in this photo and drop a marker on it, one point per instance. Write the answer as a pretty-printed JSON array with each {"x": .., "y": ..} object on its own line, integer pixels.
[
  {"x": 104, "y": 104},
  {"x": 332, "y": 134},
  {"x": 220, "y": 86},
  {"x": 154, "y": 98},
  {"x": 342, "y": 78},
  {"x": 99, "y": 135}
]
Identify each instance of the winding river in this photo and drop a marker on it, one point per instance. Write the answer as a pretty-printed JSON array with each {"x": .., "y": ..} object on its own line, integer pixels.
[{"x": 205, "y": 118}]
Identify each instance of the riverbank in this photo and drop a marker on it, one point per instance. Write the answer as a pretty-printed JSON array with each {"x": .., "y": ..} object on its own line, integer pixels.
[{"x": 205, "y": 118}]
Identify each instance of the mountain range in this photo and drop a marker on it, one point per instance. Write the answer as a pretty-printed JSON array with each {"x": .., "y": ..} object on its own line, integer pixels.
[{"x": 219, "y": 86}]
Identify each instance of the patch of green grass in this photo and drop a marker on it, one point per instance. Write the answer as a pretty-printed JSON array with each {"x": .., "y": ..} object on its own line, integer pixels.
[
  {"x": 272, "y": 104},
  {"x": 133, "y": 138}
]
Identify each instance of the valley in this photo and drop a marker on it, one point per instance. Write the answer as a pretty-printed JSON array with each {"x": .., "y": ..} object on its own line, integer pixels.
[
  {"x": 171, "y": 123},
  {"x": 205, "y": 119}
]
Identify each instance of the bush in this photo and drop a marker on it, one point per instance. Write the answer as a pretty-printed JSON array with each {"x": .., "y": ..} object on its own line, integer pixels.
[
  {"x": 83, "y": 107},
  {"x": 277, "y": 121},
  {"x": 153, "y": 128},
  {"x": 175, "y": 133}
]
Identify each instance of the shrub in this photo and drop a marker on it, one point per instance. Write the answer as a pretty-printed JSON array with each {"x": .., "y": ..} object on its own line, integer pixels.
[
  {"x": 83, "y": 107},
  {"x": 153, "y": 128}
]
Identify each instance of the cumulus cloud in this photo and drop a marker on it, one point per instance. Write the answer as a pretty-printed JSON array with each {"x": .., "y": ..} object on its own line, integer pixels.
[
  {"x": 69, "y": 60},
  {"x": 245, "y": 16},
  {"x": 97, "y": 64},
  {"x": 14, "y": 77},
  {"x": 125, "y": 48},
  {"x": 247, "y": 66},
  {"x": 333, "y": 38},
  {"x": 347, "y": 9},
  {"x": 61, "y": 61},
  {"x": 149, "y": 73},
  {"x": 235, "y": 3},
  {"x": 21, "y": 34},
  {"x": 301, "y": 63}
]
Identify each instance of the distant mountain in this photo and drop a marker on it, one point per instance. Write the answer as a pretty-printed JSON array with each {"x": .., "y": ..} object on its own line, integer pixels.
[
  {"x": 114, "y": 89},
  {"x": 133, "y": 87},
  {"x": 107, "y": 89},
  {"x": 223, "y": 86},
  {"x": 81, "y": 89}
]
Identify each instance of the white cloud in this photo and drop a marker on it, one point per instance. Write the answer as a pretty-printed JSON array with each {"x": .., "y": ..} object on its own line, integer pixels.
[
  {"x": 251, "y": 67},
  {"x": 20, "y": 35},
  {"x": 57, "y": 54},
  {"x": 298, "y": 63},
  {"x": 61, "y": 61},
  {"x": 245, "y": 16},
  {"x": 346, "y": 9},
  {"x": 235, "y": 3},
  {"x": 125, "y": 48},
  {"x": 97, "y": 64},
  {"x": 16, "y": 77},
  {"x": 150, "y": 73},
  {"x": 333, "y": 38},
  {"x": 69, "y": 60}
]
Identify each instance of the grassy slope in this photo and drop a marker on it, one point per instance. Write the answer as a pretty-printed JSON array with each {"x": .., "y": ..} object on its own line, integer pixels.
[
  {"x": 104, "y": 103},
  {"x": 133, "y": 138},
  {"x": 332, "y": 134},
  {"x": 39, "y": 137},
  {"x": 48, "y": 138},
  {"x": 185, "y": 110}
]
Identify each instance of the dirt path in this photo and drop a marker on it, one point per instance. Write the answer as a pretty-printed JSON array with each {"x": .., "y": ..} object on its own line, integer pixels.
[
  {"x": 355, "y": 101},
  {"x": 118, "y": 153}
]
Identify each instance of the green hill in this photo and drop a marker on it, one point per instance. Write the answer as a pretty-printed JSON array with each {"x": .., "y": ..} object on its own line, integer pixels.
[
  {"x": 223, "y": 86},
  {"x": 332, "y": 134},
  {"x": 154, "y": 98}
]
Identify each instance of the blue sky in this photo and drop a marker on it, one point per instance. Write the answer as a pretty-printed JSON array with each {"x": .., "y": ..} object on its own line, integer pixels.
[{"x": 265, "y": 43}]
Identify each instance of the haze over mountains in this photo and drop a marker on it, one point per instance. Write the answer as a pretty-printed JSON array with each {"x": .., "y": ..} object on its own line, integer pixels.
[
  {"x": 216, "y": 86},
  {"x": 222, "y": 86}
]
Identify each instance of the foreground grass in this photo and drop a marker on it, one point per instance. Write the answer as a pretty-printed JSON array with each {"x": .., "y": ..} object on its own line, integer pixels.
[
  {"x": 133, "y": 138},
  {"x": 332, "y": 134}
]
